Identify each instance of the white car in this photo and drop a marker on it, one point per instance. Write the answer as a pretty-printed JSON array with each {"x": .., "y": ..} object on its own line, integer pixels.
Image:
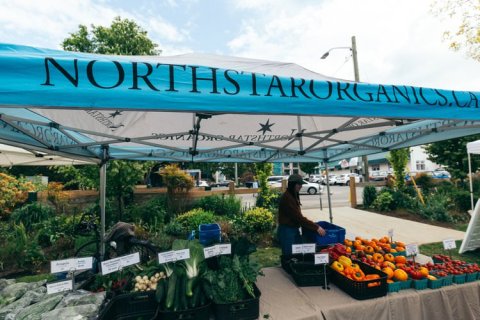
[
  {"x": 202, "y": 183},
  {"x": 315, "y": 178},
  {"x": 307, "y": 187},
  {"x": 344, "y": 179},
  {"x": 276, "y": 180},
  {"x": 332, "y": 179}
]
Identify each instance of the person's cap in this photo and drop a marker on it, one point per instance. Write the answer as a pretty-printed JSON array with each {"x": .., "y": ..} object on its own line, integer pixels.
[{"x": 296, "y": 178}]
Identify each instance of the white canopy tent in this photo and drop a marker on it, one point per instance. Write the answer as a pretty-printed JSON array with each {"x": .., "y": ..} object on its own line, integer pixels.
[
  {"x": 472, "y": 148},
  {"x": 12, "y": 156}
]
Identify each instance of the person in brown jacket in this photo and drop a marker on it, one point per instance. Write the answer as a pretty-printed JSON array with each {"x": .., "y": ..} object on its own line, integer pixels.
[{"x": 290, "y": 217}]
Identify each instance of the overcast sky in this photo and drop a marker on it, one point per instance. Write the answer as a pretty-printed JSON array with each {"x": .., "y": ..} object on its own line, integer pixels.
[{"x": 399, "y": 42}]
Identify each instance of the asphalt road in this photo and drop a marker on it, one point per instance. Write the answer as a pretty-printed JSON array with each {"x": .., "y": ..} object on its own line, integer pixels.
[{"x": 339, "y": 196}]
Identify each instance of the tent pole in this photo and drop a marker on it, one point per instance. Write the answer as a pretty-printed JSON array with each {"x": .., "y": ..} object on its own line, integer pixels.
[
  {"x": 325, "y": 161},
  {"x": 470, "y": 178},
  {"x": 103, "y": 180}
]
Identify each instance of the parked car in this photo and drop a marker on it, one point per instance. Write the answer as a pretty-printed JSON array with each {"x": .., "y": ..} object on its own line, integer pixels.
[
  {"x": 308, "y": 187},
  {"x": 441, "y": 174},
  {"x": 224, "y": 183},
  {"x": 378, "y": 176},
  {"x": 344, "y": 179},
  {"x": 315, "y": 178},
  {"x": 274, "y": 180},
  {"x": 202, "y": 183},
  {"x": 332, "y": 179}
]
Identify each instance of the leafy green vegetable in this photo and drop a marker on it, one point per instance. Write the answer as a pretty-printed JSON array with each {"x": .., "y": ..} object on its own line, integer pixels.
[
  {"x": 234, "y": 280},
  {"x": 193, "y": 264}
]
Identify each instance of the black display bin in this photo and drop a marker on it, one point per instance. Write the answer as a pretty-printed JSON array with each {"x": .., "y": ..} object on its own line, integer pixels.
[
  {"x": 248, "y": 309},
  {"x": 130, "y": 306},
  {"x": 200, "y": 313}
]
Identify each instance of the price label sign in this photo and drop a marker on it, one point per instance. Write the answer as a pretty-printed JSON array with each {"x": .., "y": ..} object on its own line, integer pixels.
[
  {"x": 60, "y": 286},
  {"x": 165, "y": 257},
  {"x": 321, "y": 258},
  {"x": 130, "y": 259},
  {"x": 449, "y": 244},
  {"x": 390, "y": 233},
  {"x": 224, "y": 248},
  {"x": 411, "y": 249},
  {"x": 297, "y": 248},
  {"x": 210, "y": 252},
  {"x": 308, "y": 248},
  {"x": 182, "y": 254},
  {"x": 109, "y": 266},
  {"x": 113, "y": 265},
  {"x": 84, "y": 263},
  {"x": 62, "y": 265},
  {"x": 72, "y": 264}
]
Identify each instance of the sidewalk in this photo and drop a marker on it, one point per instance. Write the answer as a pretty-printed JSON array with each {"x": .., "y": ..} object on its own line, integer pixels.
[{"x": 371, "y": 225}]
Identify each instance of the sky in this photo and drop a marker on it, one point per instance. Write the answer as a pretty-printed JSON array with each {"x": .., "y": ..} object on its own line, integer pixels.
[{"x": 398, "y": 42}]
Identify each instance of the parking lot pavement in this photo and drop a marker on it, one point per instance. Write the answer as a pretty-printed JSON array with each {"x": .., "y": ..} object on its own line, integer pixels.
[{"x": 371, "y": 225}]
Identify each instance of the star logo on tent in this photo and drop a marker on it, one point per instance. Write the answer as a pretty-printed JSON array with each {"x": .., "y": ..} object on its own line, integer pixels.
[
  {"x": 265, "y": 127},
  {"x": 114, "y": 114}
]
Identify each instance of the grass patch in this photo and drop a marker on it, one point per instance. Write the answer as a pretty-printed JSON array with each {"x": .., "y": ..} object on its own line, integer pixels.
[
  {"x": 267, "y": 257},
  {"x": 36, "y": 278},
  {"x": 430, "y": 249}
]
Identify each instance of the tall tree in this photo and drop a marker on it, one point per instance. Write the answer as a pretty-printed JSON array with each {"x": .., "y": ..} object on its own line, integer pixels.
[
  {"x": 466, "y": 14},
  {"x": 123, "y": 37},
  {"x": 453, "y": 154},
  {"x": 309, "y": 167}
]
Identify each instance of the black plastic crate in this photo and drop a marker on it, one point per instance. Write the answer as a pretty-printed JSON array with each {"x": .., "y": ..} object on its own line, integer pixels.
[
  {"x": 130, "y": 306},
  {"x": 248, "y": 309},
  {"x": 310, "y": 275},
  {"x": 287, "y": 260},
  {"x": 200, "y": 313},
  {"x": 360, "y": 289}
]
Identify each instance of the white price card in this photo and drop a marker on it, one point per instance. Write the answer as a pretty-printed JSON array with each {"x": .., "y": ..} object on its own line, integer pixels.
[
  {"x": 84, "y": 263},
  {"x": 321, "y": 258},
  {"x": 62, "y": 265},
  {"x": 182, "y": 254},
  {"x": 210, "y": 252},
  {"x": 109, "y": 266},
  {"x": 297, "y": 248},
  {"x": 390, "y": 233},
  {"x": 309, "y": 248},
  {"x": 60, "y": 286},
  {"x": 411, "y": 249},
  {"x": 224, "y": 248},
  {"x": 165, "y": 257},
  {"x": 130, "y": 259},
  {"x": 449, "y": 244}
]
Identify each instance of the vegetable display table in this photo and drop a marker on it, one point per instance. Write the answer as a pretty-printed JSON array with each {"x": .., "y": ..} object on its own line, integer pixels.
[{"x": 282, "y": 299}]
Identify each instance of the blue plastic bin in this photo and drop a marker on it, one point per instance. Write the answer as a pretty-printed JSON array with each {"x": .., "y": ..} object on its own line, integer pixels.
[
  {"x": 334, "y": 234},
  {"x": 209, "y": 233}
]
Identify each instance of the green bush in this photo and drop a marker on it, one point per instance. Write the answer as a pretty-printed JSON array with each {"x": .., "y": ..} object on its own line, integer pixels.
[
  {"x": 56, "y": 228},
  {"x": 31, "y": 214},
  {"x": 190, "y": 220},
  {"x": 384, "y": 201},
  {"x": 258, "y": 220},
  {"x": 175, "y": 228},
  {"x": 461, "y": 200},
  {"x": 436, "y": 208},
  {"x": 403, "y": 200},
  {"x": 268, "y": 199},
  {"x": 153, "y": 212},
  {"x": 424, "y": 182},
  {"x": 369, "y": 196},
  {"x": 221, "y": 205}
]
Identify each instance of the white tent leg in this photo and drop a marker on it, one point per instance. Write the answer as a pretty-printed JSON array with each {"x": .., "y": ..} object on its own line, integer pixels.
[
  {"x": 103, "y": 180},
  {"x": 328, "y": 191},
  {"x": 470, "y": 178}
]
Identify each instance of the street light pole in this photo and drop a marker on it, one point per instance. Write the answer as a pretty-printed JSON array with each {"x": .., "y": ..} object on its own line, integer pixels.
[{"x": 356, "y": 74}]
